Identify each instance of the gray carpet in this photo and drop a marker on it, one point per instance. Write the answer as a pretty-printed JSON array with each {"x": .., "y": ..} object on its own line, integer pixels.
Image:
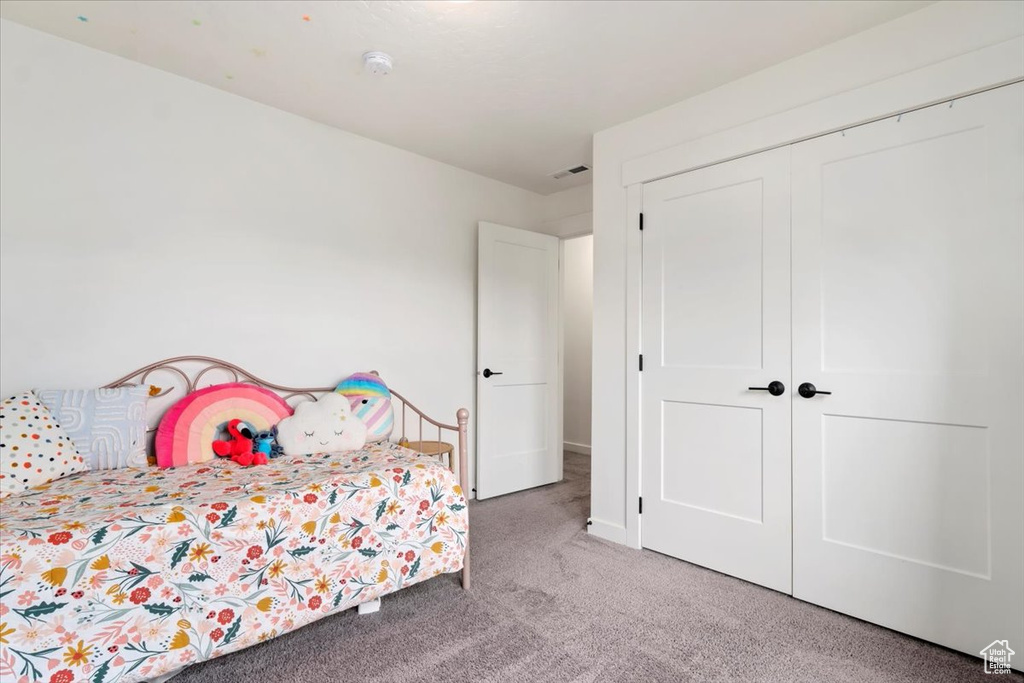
[{"x": 550, "y": 603}]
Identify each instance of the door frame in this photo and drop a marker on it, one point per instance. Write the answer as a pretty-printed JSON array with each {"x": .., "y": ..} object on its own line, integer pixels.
[
  {"x": 576, "y": 232},
  {"x": 946, "y": 81}
]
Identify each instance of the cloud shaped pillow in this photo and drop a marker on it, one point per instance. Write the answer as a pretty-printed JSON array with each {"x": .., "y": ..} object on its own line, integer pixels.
[{"x": 324, "y": 426}]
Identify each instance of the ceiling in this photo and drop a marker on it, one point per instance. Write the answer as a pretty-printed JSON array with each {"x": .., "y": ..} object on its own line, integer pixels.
[{"x": 510, "y": 90}]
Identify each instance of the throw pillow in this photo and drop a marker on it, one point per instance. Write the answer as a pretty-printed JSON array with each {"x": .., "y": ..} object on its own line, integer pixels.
[
  {"x": 107, "y": 426},
  {"x": 33, "y": 448},
  {"x": 187, "y": 431},
  {"x": 323, "y": 426},
  {"x": 370, "y": 400}
]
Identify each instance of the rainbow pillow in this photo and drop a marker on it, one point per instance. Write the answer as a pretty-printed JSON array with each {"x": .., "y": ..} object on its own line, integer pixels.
[
  {"x": 371, "y": 402},
  {"x": 187, "y": 431},
  {"x": 363, "y": 384}
]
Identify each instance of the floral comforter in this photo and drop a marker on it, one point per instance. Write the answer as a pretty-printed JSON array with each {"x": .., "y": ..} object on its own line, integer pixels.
[{"x": 125, "y": 575}]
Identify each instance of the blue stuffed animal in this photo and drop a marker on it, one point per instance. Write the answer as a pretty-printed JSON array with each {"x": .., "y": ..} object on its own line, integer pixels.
[{"x": 266, "y": 443}]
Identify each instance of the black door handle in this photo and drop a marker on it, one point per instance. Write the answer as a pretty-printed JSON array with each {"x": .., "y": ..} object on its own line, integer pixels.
[
  {"x": 488, "y": 373},
  {"x": 808, "y": 390},
  {"x": 775, "y": 388}
]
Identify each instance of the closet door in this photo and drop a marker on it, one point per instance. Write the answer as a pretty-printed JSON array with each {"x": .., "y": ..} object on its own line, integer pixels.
[
  {"x": 908, "y": 306},
  {"x": 716, "y": 332}
]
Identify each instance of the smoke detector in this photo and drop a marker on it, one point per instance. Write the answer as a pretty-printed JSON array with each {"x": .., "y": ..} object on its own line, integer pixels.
[
  {"x": 377, "y": 63},
  {"x": 565, "y": 173}
]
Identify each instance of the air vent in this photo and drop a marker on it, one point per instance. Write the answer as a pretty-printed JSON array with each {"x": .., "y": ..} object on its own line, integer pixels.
[{"x": 582, "y": 168}]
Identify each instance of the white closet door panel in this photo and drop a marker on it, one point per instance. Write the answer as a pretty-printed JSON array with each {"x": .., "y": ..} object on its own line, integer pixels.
[
  {"x": 908, "y": 305},
  {"x": 715, "y": 455}
]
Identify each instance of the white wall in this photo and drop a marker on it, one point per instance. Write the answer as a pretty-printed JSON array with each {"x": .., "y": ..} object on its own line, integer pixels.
[
  {"x": 577, "y": 331},
  {"x": 145, "y": 216},
  {"x": 930, "y": 36},
  {"x": 568, "y": 213}
]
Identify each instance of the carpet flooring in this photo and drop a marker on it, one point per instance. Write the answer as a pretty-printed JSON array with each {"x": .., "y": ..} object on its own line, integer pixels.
[{"x": 551, "y": 603}]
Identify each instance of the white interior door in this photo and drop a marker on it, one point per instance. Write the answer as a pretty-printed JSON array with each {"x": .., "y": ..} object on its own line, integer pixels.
[
  {"x": 715, "y": 452},
  {"x": 519, "y": 425},
  {"x": 908, "y": 305}
]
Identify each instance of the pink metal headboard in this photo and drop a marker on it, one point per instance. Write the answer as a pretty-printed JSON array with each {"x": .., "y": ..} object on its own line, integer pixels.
[
  {"x": 178, "y": 368},
  {"x": 188, "y": 372}
]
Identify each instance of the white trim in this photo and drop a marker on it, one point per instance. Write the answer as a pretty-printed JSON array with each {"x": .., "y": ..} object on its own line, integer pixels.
[
  {"x": 607, "y": 531},
  {"x": 561, "y": 358},
  {"x": 949, "y": 79},
  {"x": 581, "y": 448},
  {"x": 991, "y": 66},
  {"x": 634, "y": 347}
]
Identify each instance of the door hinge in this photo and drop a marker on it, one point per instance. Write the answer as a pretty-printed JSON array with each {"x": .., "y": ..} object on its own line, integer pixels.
[
  {"x": 641, "y": 505},
  {"x": 641, "y": 362},
  {"x": 641, "y": 221}
]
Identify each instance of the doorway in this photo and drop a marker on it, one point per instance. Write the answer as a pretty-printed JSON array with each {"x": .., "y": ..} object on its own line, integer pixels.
[{"x": 577, "y": 338}]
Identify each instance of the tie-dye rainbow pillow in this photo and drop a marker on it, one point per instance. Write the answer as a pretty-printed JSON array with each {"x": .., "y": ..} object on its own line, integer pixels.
[{"x": 371, "y": 402}]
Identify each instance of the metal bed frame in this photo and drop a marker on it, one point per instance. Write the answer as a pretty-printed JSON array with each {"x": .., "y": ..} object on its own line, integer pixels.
[{"x": 188, "y": 372}]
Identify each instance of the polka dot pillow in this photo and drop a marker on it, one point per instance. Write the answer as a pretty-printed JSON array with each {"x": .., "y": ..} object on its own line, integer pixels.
[{"x": 34, "y": 449}]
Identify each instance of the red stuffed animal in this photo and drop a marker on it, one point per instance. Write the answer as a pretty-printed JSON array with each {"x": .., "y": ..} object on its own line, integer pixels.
[{"x": 239, "y": 448}]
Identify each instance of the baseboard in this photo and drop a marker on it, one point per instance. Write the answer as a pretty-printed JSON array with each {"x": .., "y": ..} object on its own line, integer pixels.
[
  {"x": 576, "y": 447},
  {"x": 609, "y": 532}
]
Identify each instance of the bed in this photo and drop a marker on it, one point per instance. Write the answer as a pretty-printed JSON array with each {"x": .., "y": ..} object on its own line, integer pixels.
[{"x": 132, "y": 574}]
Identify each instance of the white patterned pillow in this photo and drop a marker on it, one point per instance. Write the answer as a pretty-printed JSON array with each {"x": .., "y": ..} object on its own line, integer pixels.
[
  {"x": 33, "y": 447},
  {"x": 108, "y": 426}
]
